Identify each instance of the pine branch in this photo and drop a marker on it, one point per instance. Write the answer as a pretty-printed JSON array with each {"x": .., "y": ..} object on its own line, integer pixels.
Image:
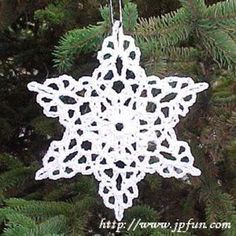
[
  {"x": 8, "y": 161},
  {"x": 13, "y": 230},
  {"x": 44, "y": 126},
  {"x": 181, "y": 53},
  {"x": 221, "y": 10},
  {"x": 76, "y": 42},
  {"x": 145, "y": 213},
  {"x": 196, "y": 22},
  {"x": 53, "y": 226},
  {"x": 232, "y": 230},
  {"x": 223, "y": 91},
  {"x": 15, "y": 218},
  {"x": 130, "y": 15},
  {"x": 190, "y": 24},
  {"x": 79, "y": 41},
  {"x": 152, "y": 49},
  {"x": 232, "y": 148},
  {"x": 4, "y": 212},
  {"x": 54, "y": 13},
  {"x": 39, "y": 209},
  {"x": 219, "y": 207},
  {"x": 142, "y": 211},
  {"x": 45, "y": 218},
  {"x": 89, "y": 39},
  {"x": 5, "y": 129},
  {"x": 168, "y": 30},
  {"x": 15, "y": 177},
  {"x": 220, "y": 46},
  {"x": 196, "y": 8},
  {"x": 79, "y": 216}
]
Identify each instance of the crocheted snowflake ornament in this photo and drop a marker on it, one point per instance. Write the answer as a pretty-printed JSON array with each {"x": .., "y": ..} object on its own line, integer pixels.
[{"x": 119, "y": 123}]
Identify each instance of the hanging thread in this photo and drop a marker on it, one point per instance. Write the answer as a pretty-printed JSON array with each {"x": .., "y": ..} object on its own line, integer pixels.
[
  {"x": 120, "y": 6},
  {"x": 112, "y": 11}
]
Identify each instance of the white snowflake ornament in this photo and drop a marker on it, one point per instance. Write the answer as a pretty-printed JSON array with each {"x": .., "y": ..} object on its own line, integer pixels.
[{"x": 119, "y": 123}]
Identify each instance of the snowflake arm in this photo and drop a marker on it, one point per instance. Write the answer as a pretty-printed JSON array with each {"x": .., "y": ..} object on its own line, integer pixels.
[
  {"x": 69, "y": 156},
  {"x": 169, "y": 157},
  {"x": 170, "y": 97}
]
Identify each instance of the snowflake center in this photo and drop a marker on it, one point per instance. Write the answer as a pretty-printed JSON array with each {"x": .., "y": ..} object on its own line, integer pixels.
[{"x": 119, "y": 126}]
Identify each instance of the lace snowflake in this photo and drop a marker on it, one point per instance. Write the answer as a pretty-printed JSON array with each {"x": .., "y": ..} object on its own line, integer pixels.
[{"x": 119, "y": 123}]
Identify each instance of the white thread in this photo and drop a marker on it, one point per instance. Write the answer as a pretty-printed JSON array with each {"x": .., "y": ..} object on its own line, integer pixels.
[
  {"x": 120, "y": 7},
  {"x": 111, "y": 12},
  {"x": 119, "y": 123}
]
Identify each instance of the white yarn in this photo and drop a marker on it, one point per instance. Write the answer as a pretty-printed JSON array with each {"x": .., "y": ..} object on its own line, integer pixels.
[{"x": 119, "y": 123}]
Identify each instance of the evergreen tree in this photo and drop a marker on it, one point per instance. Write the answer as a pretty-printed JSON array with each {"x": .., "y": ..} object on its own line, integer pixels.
[{"x": 189, "y": 37}]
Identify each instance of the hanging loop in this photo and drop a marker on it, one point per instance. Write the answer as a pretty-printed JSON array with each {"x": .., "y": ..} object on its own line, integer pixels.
[
  {"x": 121, "y": 8},
  {"x": 112, "y": 11}
]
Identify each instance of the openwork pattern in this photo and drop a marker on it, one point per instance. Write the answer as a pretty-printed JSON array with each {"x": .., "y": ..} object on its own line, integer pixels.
[{"x": 119, "y": 123}]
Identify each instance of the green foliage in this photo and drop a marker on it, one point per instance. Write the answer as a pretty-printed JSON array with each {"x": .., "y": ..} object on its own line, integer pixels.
[
  {"x": 168, "y": 233},
  {"x": 220, "y": 46},
  {"x": 76, "y": 42},
  {"x": 198, "y": 25},
  {"x": 144, "y": 213},
  {"x": 39, "y": 209},
  {"x": 154, "y": 181},
  {"x": 55, "y": 13},
  {"x": 220, "y": 206},
  {"x": 21, "y": 225},
  {"x": 79, "y": 41},
  {"x": 84, "y": 187},
  {"x": 148, "y": 215},
  {"x": 190, "y": 33},
  {"x": 193, "y": 38},
  {"x": 232, "y": 146},
  {"x": 167, "y": 30},
  {"x": 223, "y": 90},
  {"x": 89, "y": 39},
  {"x": 5, "y": 129},
  {"x": 130, "y": 15},
  {"x": 8, "y": 161},
  {"x": 44, "y": 218},
  {"x": 15, "y": 177},
  {"x": 44, "y": 126},
  {"x": 16, "y": 174}
]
